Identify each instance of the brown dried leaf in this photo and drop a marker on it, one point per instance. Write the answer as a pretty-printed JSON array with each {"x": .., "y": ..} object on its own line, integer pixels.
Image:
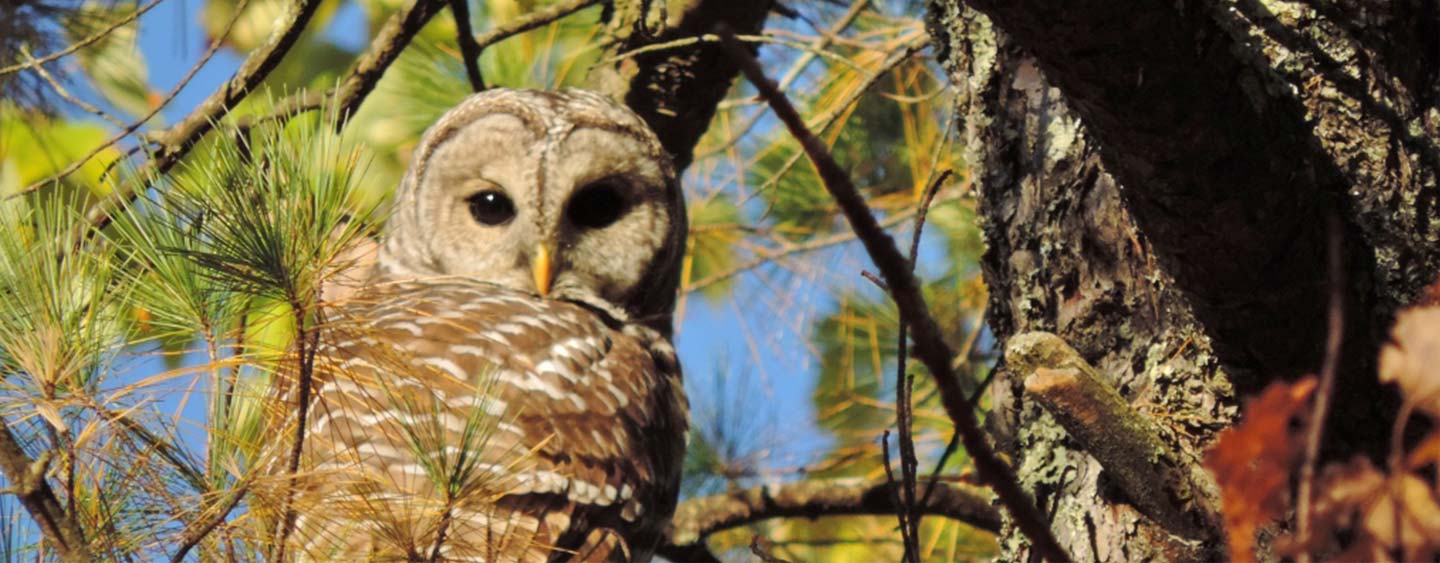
[
  {"x": 1406, "y": 518},
  {"x": 1252, "y": 463},
  {"x": 1383, "y": 515},
  {"x": 1412, "y": 357}
]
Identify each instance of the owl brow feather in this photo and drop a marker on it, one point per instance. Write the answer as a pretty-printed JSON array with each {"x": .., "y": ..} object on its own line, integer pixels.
[{"x": 636, "y": 131}]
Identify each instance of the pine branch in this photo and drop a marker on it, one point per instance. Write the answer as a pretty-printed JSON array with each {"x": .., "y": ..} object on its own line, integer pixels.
[
  {"x": 134, "y": 126},
  {"x": 175, "y": 142},
  {"x": 27, "y": 482}
]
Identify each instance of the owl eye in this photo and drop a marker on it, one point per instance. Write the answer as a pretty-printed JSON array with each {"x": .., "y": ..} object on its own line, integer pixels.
[
  {"x": 597, "y": 206},
  {"x": 491, "y": 208}
]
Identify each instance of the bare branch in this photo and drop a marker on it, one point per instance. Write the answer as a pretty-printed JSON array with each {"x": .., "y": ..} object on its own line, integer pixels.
[
  {"x": 697, "y": 519},
  {"x": 930, "y": 347},
  {"x": 904, "y": 387},
  {"x": 469, "y": 50},
  {"x": 81, "y": 44},
  {"x": 200, "y": 529},
  {"x": 712, "y": 38},
  {"x": 389, "y": 42},
  {"x": 65, "y": 94},
  {"x": 126, "y": 131},
  {"x": 789, "y": 249},
  {"x": 392, "y": 38},
  {"x": 27, "y": 482},
  {"x": 819, "y": 44},
  {"x": 1334, "y": 336},
  {"x": 1169, "y": 488}
]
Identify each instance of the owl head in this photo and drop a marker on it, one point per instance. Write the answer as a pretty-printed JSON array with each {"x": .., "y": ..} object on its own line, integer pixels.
[{"x": 566, "y": 195}]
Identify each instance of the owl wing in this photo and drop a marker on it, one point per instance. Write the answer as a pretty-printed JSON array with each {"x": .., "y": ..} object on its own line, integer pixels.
[{"x": 475, "y": 423}]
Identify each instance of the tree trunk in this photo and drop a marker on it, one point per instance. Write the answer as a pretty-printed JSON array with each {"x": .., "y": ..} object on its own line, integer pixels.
[
  {"x": 675, "y": 90},
  {"x": 1155, "y": 185}
]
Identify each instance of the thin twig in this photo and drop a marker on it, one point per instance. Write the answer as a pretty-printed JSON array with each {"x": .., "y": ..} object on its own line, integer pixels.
[
  {"x": 1334, "y": 336},
  {"x": 469, "y": 49},
  {"x": 767, "y": 256},
  {"x": 81, "y": 44},
  {"x": 712, "y": 38},
  {"x": 825, "y": 120},
  {"x": 950, "y": 448},
  {"x": 306, "y": 343},
  {"x": 875, "y": 279},
  {"x": 201, "y": 529},
  {"x": 796, "y": 69},
  {"x": 903, "y": 506},
  {"x": 129, "y": 129},
  {"x": 441, "y": 530},
  {"x": 929, "y": 346},
  {"x": 65, "y": 94},
  {"x": 904, "y": 385}
]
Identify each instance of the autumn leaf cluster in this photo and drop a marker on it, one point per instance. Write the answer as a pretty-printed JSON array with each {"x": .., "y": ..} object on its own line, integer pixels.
[{"x": 1360, "y": 511}]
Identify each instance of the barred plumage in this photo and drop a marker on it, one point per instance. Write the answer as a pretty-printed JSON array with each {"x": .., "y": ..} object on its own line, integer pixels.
[{"x": 505, "y": 389}]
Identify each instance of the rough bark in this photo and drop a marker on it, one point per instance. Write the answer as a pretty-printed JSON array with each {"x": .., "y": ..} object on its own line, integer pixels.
[
  {"x": 1155, "y": 180},
  {"x": 675, "y": 90}
]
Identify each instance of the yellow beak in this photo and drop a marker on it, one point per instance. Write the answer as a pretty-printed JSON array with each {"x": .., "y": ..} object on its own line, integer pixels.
[{"x": 543, "y": 269}]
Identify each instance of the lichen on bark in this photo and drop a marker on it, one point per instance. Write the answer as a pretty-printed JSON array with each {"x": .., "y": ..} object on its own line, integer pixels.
[{"x": 1065, "y": 255}]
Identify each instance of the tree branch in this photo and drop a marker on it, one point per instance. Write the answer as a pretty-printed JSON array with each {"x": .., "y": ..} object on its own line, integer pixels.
[
  {"x": 766, "y": 256},
  {"x": 177, "y": 141},
  {"x": 469, "y": 50},
  {"x": 126, "y": 131},
  {"x": 27, "y": 482},
  {"x": 387, "y": 45},
  {"x": 83, "y": 43},
  {"x": 697, "y": 519},
  {"x": 677, "y": 90},
  {"x": 1168, "y": 488},
  {"x": 390, "y": 41},
  {"x": 929, "y": 346}
]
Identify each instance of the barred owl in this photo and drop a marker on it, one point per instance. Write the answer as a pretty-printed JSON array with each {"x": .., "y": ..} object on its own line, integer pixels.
[{"x": 505, "y": 389}]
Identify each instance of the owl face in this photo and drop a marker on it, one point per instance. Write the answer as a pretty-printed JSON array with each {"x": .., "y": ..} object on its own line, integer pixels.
[{"x": 566, "y": 195}]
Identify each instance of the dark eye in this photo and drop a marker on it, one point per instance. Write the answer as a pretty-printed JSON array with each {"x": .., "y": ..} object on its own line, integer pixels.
[
  {"x": 491, "y": 208},
  {"x": 597, "y": 206}
]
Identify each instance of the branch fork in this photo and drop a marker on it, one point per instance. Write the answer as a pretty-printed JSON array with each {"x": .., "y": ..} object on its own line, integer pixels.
[{"x": 1167, "y": 487}]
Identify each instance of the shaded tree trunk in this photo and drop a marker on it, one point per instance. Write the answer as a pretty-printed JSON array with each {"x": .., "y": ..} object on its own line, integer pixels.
[
  {"x": 1155, "y": 183},
  {"x": 675, "y": 90}
]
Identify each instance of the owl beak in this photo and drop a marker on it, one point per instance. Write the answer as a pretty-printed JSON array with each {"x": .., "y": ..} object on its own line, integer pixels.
[{"x": 543, "y": 269}]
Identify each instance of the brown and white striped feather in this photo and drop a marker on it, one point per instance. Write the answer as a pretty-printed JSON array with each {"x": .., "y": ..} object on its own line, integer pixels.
[{"x": 550, "y": 434}]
